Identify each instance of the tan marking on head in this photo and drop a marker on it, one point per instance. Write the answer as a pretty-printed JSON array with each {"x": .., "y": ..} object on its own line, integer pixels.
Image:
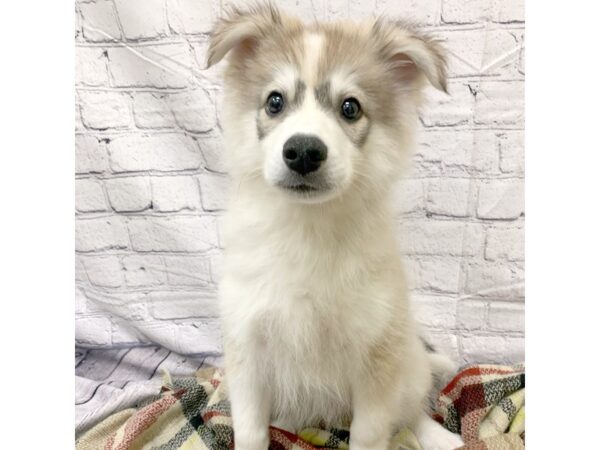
[{"x": 313, "y": 48}]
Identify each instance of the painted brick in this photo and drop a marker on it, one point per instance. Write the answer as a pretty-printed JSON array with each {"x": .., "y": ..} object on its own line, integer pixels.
[
  {"x": 214, "y": 189},
  {"x": 170, "y": 194},
  {"x": 80, "y": 274},
  {"x": 463, "y": 152},
  {"x": 78, "y": 121},
  {"x": 191, "y": 110},
  {"x": 104, "y": 271},
  {"x": 499, "y": 280},
  {"x": 212, "y": 151},
  {"x": 436, "y": 312},
  {"x": 467, "y": 11},
  {"x": 499, "y": 104},
  {"x": 337, "y": 9},
  {"x": 484, "y": 156},
  {"x": 99, "y": 21},
  {"x": 152, "y": 110},
  {"x": 203, "y": 336},
  {"x": 482, "y": 51},
  {"x": 183, "y": 305},
  {"x": 304, "y": 10},
  {"x": 512, "y": 158},
  {"x": 522, "y": 60},
  {"x": 439, "y": 274},
  {"x": 511, "y": 11},
  {"x": 471, "y": 315},
  {"x": 409, "y": 196},
  {"x": 80, "y": 300},
  {"x": 122, "y": 303},
  {"x": 144, "y": 270},
  {"x": 473, "y": 11},
  {"x": 142, "y": 18},
  {"x": 492, "y": 349},
  {"x": 194, "y": 110},
  {"x": 130, "y": 194},
  {"x": 220, "y": 228},
  {"x": 507, "y": 317},
  {"x": 124, "y": 334},
  {"x": 102, "y": 110},
  {"x": 160, "y": 66},
  {"x": 90, "y": 155},
  {"x": 505, "y": 243},
  {"x": 93, "y": 331},
  {"x": 361, "y": 9},
  {"x": 200, "y": 337},
  {"x": 452, "y": 109},
  {"x": 95, "y": 296},
  {"x": 190, "y": 16},
  {"x": 89, "y": 196},
  {"x": 422, "y": 12},
  {"x": 449, "y": 197},
  {"x": 188, "y": 270},
  {"x": 176, "y": 234},
  {"x": 78, "y": 26},
  {"x": 501, "y": 199},
  {"x": 441, "y": 238},
  {"x": 90, "y": 66},
  {"x": 100, "y": 234},
  {"x": 484, "y": 348},
  {"x": 216, "y": 267},
  {"x": 162, "y": 152}
]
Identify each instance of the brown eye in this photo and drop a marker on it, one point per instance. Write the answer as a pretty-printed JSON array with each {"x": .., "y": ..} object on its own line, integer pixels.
[
  {"x": 274, "y": 103},
  {"x": 351, "y": 109}
]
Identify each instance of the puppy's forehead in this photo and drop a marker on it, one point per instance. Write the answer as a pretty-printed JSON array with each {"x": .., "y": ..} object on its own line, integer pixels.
[
  {"x": 316, "y": 53},
  {"x": 314, "y": 45},
  {"x": 325, "y": 61}
]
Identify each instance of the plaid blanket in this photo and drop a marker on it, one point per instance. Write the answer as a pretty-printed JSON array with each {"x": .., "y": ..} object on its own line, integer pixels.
[{"x": 484, "y": 403}]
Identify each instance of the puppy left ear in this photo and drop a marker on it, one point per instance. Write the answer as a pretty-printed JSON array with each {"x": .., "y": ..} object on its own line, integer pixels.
[
  {"x": 241, "y": 30},
  {"x": 412, "y": 55}
]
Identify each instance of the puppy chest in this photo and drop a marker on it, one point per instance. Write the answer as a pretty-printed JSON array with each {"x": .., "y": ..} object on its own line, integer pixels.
[{"x": 308, "y": 372}]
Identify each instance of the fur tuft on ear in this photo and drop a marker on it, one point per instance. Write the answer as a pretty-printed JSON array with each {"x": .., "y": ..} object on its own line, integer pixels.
[
  {"x": 241, "y": 30},
  {"x": 411, "y": 53}
]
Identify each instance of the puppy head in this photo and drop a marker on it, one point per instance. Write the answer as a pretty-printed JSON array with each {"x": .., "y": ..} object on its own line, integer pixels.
[{"x": 317, "y": 111}]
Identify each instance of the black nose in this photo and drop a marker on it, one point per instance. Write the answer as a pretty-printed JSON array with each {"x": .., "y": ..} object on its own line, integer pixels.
[{"x": 304, "y": 153}]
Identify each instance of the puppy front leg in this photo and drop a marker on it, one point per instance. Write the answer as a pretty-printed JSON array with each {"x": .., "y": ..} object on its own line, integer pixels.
[
  {"x": 371, "y": 426},
  {"x": 432, "y": 436},
  {"x": 250, "y": 408}
]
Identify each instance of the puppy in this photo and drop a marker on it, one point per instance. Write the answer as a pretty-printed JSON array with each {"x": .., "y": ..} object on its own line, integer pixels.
[{"x": 317, "y": 326}]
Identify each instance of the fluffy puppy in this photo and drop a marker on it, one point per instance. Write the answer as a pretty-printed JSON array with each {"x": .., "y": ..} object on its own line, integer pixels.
[{"x": 317, "y": 121}]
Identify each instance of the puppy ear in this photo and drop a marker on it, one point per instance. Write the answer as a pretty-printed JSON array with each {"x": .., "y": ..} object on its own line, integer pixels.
[
  {"x": 412, "y": 55},
  {"x": 241, "y": 31}
]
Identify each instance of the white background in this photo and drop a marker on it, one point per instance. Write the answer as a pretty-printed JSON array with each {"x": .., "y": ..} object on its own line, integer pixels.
[{"x": 150, "y": 187}]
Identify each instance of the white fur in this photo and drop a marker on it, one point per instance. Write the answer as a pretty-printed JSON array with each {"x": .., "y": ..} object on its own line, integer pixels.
[
  {"x": 432, "y": 436},
  {"x": 311, "y": 290},
  {"x": 313, "y": 45}
]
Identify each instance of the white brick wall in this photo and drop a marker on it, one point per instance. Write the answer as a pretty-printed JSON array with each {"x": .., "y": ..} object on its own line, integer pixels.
[{"x": 151, "y": 186}]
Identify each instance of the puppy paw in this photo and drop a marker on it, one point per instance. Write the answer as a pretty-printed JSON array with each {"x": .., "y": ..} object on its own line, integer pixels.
[{"x": 441, "y": 439}]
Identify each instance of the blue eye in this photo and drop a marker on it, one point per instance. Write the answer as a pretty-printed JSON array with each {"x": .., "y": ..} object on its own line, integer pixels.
[
  {"x": 274, "y": 103},
  {"x": 351, "y": 109}
]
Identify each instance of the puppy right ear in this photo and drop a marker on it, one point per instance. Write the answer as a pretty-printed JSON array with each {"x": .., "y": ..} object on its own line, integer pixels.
[{"x": 240, "y": 31}]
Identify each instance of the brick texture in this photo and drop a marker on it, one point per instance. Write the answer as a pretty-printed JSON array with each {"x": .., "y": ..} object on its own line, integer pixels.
[{"x": 151, "y": 186}]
